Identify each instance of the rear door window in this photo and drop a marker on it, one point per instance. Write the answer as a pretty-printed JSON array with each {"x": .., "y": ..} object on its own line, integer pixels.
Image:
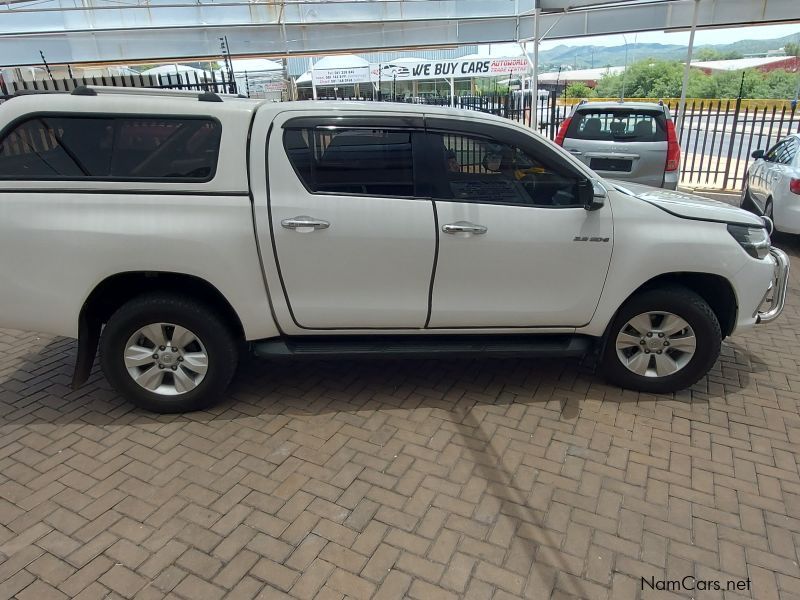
[
  {"x": 365, "y": 161},
  {"x": 618, "y": 125},
  {"x": 111, "y": 148}
]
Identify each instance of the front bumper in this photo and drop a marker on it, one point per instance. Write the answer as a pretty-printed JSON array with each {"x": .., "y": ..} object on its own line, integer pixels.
[{"x": 777, "y": 289}]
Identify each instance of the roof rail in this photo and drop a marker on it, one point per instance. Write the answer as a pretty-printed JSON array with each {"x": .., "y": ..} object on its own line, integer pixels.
[
  {"x": 94, "y": 90},
  {"x": 26, "y": 92}
]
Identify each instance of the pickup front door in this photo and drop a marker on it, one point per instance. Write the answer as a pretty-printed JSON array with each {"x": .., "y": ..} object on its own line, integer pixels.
[
  {"x": 516, "y": 246},
  {"x": 354, "y": 241}
]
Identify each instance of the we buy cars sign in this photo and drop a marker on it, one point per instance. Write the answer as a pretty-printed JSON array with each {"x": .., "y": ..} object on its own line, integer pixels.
[
  {"x": 429, "y": 69},
  {"x": 457, "y": 68}
]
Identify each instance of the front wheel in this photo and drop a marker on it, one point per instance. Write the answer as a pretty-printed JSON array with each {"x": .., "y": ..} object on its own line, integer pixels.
[
  {"x": 167, "y": 354},
  {"x": 769, "y": 212},
  {"x": 662, "y": 340}
]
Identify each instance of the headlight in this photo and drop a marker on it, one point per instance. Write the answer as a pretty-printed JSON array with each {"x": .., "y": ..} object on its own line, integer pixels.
[{"x": 754, "y": 240}]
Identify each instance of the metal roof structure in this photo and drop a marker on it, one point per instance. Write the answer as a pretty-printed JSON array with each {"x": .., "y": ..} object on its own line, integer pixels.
[
  {"x": 737, "y": 64},
  {"x": 127, "y": 31}
]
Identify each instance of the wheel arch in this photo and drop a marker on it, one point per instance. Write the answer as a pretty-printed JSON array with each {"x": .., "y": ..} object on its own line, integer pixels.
[
  {"x": 716, "y": 290},
  {"x": 113, "y": 291}
]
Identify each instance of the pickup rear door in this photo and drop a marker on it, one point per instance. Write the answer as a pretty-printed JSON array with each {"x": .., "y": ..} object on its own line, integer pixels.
[{"x": 353, "y": 237}]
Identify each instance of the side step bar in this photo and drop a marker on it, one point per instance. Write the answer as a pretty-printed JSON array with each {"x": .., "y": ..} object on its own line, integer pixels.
[{"x": 424, "y": 346}]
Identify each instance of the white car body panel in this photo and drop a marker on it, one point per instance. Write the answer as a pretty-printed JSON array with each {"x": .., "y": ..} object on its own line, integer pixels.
[
  {"x": 689, "y": 206},
  {"x": 58, "y": 247},
  {"x": 648, "y": 242},
  {"x": 513, "y": 275}
]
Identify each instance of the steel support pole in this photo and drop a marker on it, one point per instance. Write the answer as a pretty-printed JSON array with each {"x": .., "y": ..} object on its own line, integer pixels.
[
  {"x": 535, "y": 90},
  {"x": 686, "y": 69},
  {"x": 313, "y": 83}
]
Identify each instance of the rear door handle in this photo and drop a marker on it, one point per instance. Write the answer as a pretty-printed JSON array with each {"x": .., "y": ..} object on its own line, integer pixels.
[
  {"x": 576, "y": 152},
  {"x": 304, "y": 224},
  {"x": 464, "y": 227}
]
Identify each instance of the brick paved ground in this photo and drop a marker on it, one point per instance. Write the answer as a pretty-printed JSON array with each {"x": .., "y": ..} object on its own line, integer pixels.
[{"x": 434, "y": 479}]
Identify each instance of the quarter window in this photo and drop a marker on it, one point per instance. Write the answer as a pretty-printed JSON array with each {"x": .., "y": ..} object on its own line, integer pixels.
[
  {"x": 478, "y": 169},
  {"x": 113, "y": 148},
  {"x": 373, "y": 162}
]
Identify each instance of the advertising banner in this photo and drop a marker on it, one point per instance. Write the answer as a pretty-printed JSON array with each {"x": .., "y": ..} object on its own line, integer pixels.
[
  {"x": 457, "y": 68},
  {"x": 334, "y": 77}
]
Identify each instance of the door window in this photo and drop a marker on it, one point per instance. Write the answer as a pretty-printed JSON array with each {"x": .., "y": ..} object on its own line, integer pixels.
[
  {"x": 372, "y": 162},
  {"x": 774, "y": 153},
  {"x": 472, "y": 168}
]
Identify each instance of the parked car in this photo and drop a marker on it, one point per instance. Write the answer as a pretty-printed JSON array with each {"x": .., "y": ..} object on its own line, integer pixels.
[
  {"x": 772, "y": 184},
  {"x": 632, "y": 141},
  {"x": 179, "y": 229}
]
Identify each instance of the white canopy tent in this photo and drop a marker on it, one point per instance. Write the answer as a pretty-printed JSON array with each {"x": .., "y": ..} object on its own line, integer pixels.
[{"x": 176, "y": 69}]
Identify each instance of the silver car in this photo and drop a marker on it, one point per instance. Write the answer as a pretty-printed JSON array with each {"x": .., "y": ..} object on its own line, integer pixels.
[{"x": 633, "y": 141}]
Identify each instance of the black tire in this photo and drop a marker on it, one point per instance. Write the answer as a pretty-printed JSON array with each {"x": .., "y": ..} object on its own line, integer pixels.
[
  {"x": 213, "y": 331},
  {"x": 748, "y": 203},
  {"x": 683, "y": 303},
  {"x": 769, "y": 209}
]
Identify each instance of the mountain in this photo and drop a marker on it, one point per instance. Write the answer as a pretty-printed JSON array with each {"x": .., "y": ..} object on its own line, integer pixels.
[{"x": 583, "y": 57}]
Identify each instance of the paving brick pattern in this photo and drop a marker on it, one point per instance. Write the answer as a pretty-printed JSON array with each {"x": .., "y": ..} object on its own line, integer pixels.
[{"x": 423, "y": 479}]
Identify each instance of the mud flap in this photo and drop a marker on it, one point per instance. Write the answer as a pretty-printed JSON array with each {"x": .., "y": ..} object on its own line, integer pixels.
[{"x": 88, "y": 339}]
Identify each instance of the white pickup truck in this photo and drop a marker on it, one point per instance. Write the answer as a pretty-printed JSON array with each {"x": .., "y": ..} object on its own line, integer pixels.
[{"x": 176, "y": 230}]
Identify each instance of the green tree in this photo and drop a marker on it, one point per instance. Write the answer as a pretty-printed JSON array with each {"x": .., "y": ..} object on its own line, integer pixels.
[
  {"x": 791, "y": 49},
  {"x": 714, "y": 54},
  {"x": 644, "y": 79},
  {"x": 579, "y": 90}
]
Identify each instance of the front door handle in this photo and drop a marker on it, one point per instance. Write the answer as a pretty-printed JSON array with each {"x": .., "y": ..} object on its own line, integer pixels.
[
  {"x": 464, "y": 227},
  {"x": 304, "y": 223}
]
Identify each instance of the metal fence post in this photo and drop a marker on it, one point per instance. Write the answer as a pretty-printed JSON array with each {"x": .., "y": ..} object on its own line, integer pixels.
[{"x": 733, "y": 135}]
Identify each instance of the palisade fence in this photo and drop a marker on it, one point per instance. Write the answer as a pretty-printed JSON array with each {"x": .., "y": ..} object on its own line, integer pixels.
[
  {"x": 220, "y": 82},
  {"x": 716, "y": 139}
]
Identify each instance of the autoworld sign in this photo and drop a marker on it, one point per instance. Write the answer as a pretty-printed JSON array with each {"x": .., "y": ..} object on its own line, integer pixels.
[{"x": 433, "y": 69}]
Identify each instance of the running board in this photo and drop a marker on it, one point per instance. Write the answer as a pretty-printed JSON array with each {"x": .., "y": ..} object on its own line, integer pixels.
[{"x": 424, "y": 346}]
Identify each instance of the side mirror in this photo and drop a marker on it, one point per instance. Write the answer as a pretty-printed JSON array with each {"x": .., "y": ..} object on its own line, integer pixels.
[
  {"x": 592, "y": 194},
  {"x": 757, "y": 154}
]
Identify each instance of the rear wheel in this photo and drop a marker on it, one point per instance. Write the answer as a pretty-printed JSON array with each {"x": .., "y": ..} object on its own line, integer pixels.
[
  {"x": 662, "y": 340},
  {"x": 168, "y": 354}
]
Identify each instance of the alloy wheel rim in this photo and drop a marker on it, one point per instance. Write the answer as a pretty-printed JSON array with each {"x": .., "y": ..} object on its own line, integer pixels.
[
  {"x": 656, "y": 344},
  {"x": 166, "y": 359}
]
